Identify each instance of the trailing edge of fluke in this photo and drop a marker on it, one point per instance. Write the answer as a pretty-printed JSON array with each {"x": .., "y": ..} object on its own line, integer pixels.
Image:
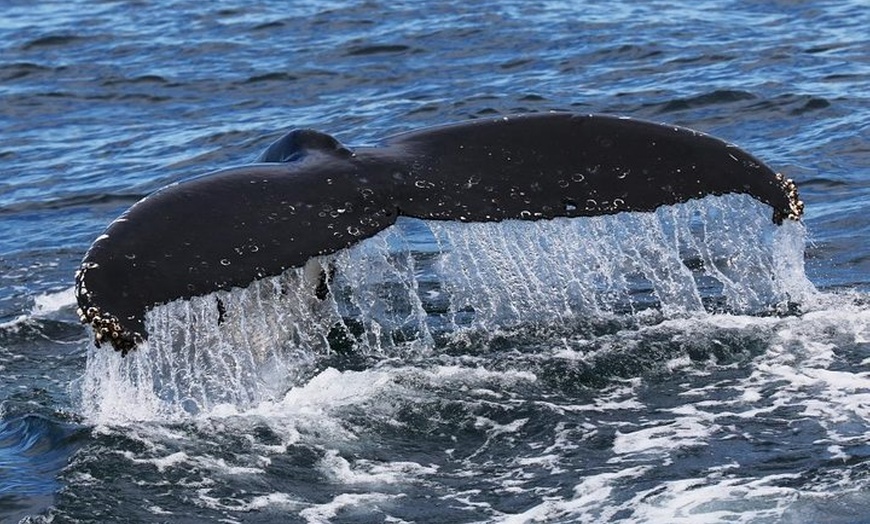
[{"x": 308, "y": 195}]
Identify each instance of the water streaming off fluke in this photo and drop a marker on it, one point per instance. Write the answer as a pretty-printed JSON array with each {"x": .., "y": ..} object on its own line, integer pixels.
[{"x": 420, "y": 286}]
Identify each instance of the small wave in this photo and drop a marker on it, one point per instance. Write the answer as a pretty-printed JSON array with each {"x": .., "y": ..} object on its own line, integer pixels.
[
  {"x": 272, "y": 77},
  {"x": 70, "y": 201},
  {"x": 717, "y": 97},
  {"x": 793, "y": 104},
  {"x": 33, "y": 450},
  {"x": 46, "y": 307},
  {"x": 141, "y": 79},
  {"x": 15, "y": 71},
  {"x": 365, "y": 50},
  {"x": 52, "y": 41},
  {"x": 47, "y": 304}
]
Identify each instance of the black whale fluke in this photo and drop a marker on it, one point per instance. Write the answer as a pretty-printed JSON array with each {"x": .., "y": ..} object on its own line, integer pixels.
[{"x": 309, "y": 195}]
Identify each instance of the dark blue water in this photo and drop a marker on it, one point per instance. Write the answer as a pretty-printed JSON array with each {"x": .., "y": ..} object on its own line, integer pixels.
[{"x": 756, "y": 412}]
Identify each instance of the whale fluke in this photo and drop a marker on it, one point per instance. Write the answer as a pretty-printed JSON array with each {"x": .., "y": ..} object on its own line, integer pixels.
[{"x": 308, "y": 195}]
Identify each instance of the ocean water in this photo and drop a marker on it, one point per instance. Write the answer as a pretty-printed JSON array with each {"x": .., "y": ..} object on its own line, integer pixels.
[{"x": 696, "y": 364}]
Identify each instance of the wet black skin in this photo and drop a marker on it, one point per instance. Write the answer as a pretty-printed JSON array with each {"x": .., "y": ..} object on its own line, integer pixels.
[{"x": 308, "y": 195}]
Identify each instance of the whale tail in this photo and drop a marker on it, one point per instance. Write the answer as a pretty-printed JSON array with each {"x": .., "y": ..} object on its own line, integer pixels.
[{"x": 309, "y": 195}]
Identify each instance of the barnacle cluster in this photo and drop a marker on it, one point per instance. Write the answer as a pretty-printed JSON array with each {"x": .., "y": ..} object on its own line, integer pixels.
[
  {"x": 107, "y": 327},
  {"x": 795, "y": 205}
]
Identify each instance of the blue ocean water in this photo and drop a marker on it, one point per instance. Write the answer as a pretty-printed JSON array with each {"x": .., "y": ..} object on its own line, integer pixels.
[{"x": 672, "y": 413}]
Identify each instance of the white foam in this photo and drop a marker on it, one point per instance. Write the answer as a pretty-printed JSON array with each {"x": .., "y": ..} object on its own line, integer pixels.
[
  {"x": 339, "y": 469},
  {"x": 49, "y": 303},
  {"x": 586, "y": 506},
  {"x": 44, "y": 306},
  {"x": 323, "y": 513},
  {"x": 161, "y": 463},
  {"x": 333, "y": 388},
  {"x": 662, "y": 437},
  {"x": 699, "y": 501}
]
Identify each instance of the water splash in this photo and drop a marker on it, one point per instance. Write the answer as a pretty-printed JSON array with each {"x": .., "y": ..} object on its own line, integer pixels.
[{"x": 418, "y": 285}]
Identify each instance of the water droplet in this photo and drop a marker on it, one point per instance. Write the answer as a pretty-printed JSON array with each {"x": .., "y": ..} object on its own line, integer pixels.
[
  {"x": 225, "y": 262},
  {"x": 578, "y": 177},
  {"x": 563, "y": 183},
  {"x": 353, "y": 230},
  {"x": 591, "y": 204},
  {"x": 525, "y": 214}
]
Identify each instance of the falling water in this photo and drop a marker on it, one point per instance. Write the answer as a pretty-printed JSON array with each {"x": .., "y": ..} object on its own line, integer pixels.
[{"x": 416, "y": 286}]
